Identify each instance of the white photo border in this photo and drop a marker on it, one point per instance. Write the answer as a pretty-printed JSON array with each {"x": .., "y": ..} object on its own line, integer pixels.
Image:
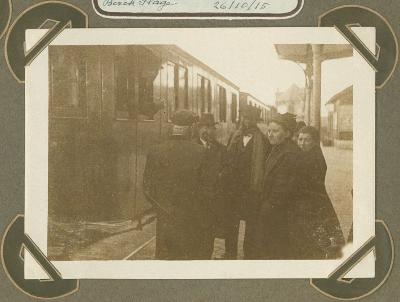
[{"x": 36, "y": 160}]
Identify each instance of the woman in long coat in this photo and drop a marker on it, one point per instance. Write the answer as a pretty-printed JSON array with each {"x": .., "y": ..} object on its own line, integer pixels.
[
  {"x": 267, "y": 234},
  {"x": 317, "y": 232}
]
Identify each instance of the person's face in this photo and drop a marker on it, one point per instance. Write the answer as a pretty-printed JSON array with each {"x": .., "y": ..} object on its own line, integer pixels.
[
  {"x": 203, "y": 132},
  {"x": 276, "y": 133},
  {"x": 305, "y": 142},
  {"x": 246, "y": 122},
  {"x": 295, "y": 137}
]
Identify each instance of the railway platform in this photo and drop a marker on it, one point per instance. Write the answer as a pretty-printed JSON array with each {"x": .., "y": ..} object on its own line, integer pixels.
[{"x": 133, "y": 242}]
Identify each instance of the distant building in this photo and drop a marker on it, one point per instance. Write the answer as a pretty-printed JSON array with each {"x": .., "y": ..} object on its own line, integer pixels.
[
  {"x": 340, "y": 119},
  {"x": 291, "y": 100}
]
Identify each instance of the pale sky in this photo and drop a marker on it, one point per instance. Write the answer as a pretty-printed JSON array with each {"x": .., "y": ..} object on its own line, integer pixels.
[{"x": 255, "y": 67}]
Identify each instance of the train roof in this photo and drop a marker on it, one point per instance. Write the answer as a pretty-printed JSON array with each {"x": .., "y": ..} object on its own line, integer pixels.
[
  {"x": 255, "y": 99},
  {"x": 177, "y": 50}
]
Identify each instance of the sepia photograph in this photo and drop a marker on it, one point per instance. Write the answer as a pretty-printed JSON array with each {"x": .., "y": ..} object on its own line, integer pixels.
[{"x": 200, "y": 153}]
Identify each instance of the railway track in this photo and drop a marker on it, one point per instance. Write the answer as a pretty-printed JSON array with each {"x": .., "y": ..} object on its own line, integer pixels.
[{"x": 140, "y": 248}]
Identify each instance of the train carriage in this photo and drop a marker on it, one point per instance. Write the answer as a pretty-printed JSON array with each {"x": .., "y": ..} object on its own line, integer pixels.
[
  {"x": 266, "y": 111},
  {"x": 107, "y": 105}
]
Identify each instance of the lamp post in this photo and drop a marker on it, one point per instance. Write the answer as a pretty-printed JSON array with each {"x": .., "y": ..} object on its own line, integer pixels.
[
  {"x": 307, "y": 90},
  {"x": 316, "y": 103}
]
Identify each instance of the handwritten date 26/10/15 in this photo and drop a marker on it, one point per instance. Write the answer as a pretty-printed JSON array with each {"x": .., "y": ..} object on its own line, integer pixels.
[{"x": 241, "y": 5}]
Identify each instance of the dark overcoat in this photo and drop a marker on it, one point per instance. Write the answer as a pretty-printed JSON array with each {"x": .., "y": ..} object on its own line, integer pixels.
[
  {"x": 214, "y": 184},
  {"x": 173, "y": 183},
  {"x": 215, "y": 161},
  {"x": 316, "y": 229},
  {"x": 267, "y": 233},
  {"x": 245, "y": 170}
]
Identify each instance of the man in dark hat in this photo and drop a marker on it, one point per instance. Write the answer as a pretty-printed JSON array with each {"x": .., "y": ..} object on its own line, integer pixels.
[
  {"x": 267, "y": 233},
  {"x": 214, "y": 169},
  {"x": 206, "y": 127},
  {"x": 173, "y": 184},
  {"x": 247, "y": 151}
]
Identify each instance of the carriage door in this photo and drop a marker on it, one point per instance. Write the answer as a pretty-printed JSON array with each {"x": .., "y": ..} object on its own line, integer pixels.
[
  {"x": 151, "y": 107},
  {"x": 118, "y": 127},
  {"x": 68, "y": 132}
]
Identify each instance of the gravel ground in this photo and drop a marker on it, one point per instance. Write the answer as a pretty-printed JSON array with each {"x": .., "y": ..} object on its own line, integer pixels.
[{"x": 339, "y": 182}]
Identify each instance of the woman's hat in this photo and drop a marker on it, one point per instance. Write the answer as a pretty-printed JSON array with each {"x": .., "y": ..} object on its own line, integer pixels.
[
  {"x": 286, "y": 120},
  {"x": 299, "y": 125}
]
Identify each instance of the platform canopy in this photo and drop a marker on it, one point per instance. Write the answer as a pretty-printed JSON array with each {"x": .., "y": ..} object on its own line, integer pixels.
[
  {"x": 312, "y": 55},
  {"x": 303, "y": 53}
]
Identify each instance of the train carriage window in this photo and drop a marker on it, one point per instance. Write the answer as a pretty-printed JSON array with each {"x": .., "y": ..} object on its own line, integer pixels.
[
  {"x": 68, "y": 83},
  {"x": 193, "y": 101},
  {"x": 209, "y": 96},
  {"x": 181, "y": 87},
  {"x": 201, "y": 93},
  {"x": 149, "y": 88},
  {"x": 157, "y": 88},
  {"x": 234, "y": 108},
  {"x": 125, "y": 84},
  {"x": 146, "y": 95},
  {"x": 222, "y": 103},
  {"x": 204, "y": 94},
  {"x": 122, "y": 85},
  {"x": 171, "y": 89},
  {"x": 164, "y": 89}
]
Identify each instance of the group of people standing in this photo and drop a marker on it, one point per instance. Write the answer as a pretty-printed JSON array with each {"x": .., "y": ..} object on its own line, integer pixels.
[{"x": 274, "y": 181}]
